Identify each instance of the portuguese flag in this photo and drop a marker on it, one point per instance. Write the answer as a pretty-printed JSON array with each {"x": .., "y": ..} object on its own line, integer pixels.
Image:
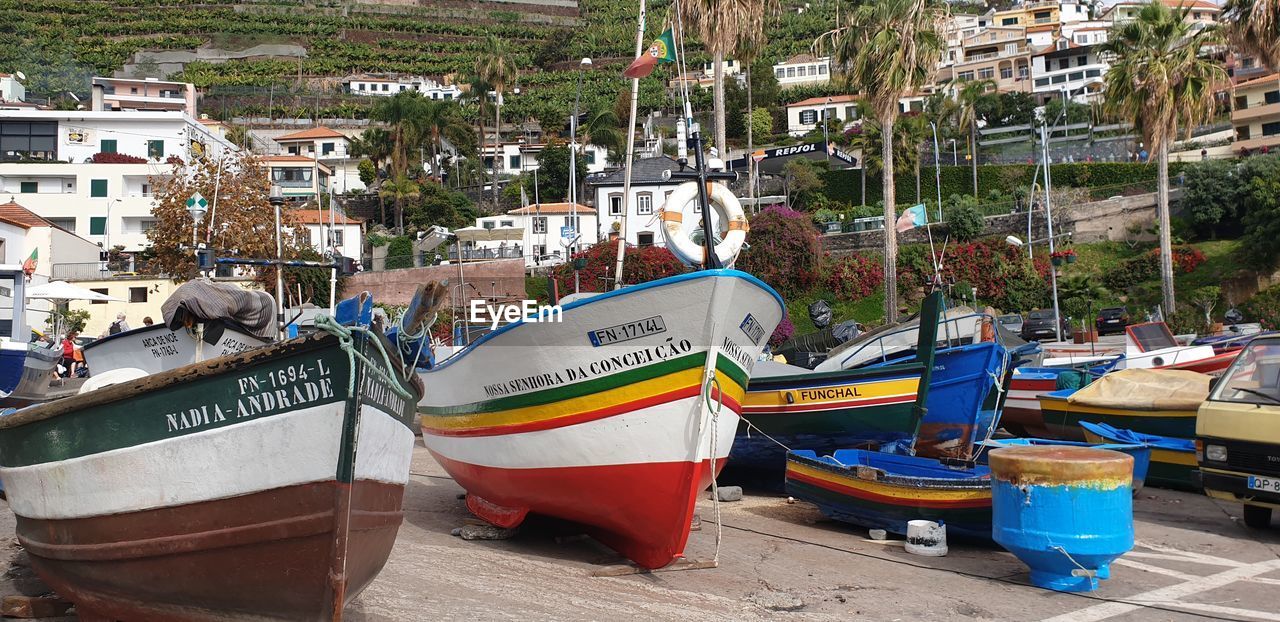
[
  {"x": 662, "y": 50},
  {"x": 29, "y": 266}
]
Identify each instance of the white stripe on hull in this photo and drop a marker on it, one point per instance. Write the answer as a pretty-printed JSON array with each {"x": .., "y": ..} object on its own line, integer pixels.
[
  {"x": 292, "y": 448},
  {"x": 661, "y": 433}
]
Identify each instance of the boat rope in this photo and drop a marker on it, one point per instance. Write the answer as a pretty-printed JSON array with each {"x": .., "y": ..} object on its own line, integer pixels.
[
  {"x": 346, "y": 341},
  {"x": 751, "y": 426},
  {"x": 710, "y": 382},
  {"x": 404, "y": 341}
]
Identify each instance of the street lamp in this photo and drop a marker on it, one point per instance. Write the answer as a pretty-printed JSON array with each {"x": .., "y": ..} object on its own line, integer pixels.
[
  {"x": 826, "y": 140},
  {"x": 277, "y": 202}
]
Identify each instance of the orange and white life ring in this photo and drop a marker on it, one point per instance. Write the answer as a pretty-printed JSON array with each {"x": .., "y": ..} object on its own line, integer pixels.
[{"x": 732, "y": 219}]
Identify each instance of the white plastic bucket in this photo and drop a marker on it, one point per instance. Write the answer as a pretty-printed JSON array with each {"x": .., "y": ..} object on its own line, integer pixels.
[{"x": 925, "y": 537}]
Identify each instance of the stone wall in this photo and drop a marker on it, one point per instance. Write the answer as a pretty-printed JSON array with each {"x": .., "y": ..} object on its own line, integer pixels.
[
  {"x": 502, "y": 280},
  {"x": 1109, "y": 219}
]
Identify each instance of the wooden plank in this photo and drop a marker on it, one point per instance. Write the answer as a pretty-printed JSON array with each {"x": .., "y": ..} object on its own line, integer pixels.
[
  {"x": 34, "y": 607},
  {"x": 622, "y": 570}
]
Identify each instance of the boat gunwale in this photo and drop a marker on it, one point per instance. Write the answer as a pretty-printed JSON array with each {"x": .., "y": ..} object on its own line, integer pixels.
[
  {"x": 631, "y": 289},
  {"x": 847, "y": 472},
  {"x": 158, "y": 327}
]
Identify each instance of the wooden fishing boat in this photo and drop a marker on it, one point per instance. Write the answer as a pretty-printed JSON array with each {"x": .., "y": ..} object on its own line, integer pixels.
[
  {"x": 1160, "y": 402},
  {"x": 885, "y": 491},
  {"x": 260, "y": 485},
  {"x": 156, "y": 348},
  {"x": 1173, "y": 460},
  {"x": 612, "y": 417},
  {"x": 26, "y": 369}
]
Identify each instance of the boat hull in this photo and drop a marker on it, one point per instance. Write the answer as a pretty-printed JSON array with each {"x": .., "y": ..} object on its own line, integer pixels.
[
  {"x": 581, "y": 424},
  {"x": 1062, "y": 420},
  {"x": 1169, "y": 468},
  {"x": 25, "y": 373},
  {"x": 155, "y": 349},
  {"x": 251, "y": 487},
  {"x": 883, "y": 499}
]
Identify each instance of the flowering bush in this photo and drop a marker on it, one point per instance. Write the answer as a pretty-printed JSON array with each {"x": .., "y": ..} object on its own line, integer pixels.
[
  {"x": 1146, "y": 267},
  {"x": 783, "y": 250},
  {"x": 782, "y": 333},
  {"x": 117, "y": 158},
  {"x": 1264, "y": 308},
  {"x": 1185, "y": 258},
  {"x": 640, "y": 264},
  {"x": 853, "y": 276}
]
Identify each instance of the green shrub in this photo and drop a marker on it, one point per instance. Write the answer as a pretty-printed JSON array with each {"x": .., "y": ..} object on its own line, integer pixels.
[
  {"x": 965, "y": 221},
  {"x": 1264, "y": 308},
  {"x": 400, "y": 253}
]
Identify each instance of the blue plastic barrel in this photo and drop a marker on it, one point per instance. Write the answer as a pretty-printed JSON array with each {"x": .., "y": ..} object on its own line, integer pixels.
[{"x": 1066, "y": 512}]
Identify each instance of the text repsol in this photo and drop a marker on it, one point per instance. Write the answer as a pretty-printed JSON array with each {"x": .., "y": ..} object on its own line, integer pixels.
[{"x": 619, "y": 362}]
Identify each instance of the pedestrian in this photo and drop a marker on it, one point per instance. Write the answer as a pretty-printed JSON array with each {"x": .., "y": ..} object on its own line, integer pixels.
[
  {"x": 147, "y": 321},
  {"x": 118, "y": 326},
  {"x": 68, "y": 353},
  {"x": 1204, "y": 154}
]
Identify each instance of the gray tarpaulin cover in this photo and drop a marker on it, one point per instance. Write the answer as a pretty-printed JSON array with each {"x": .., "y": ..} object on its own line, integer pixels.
[{"x": 206, "y": 300}]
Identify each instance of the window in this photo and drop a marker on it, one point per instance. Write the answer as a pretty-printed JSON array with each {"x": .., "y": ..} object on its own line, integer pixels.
[
  {"x": 1009, "y": 21},
  {"x": 292, "y": 177},
  {"x": 335, "y": 237},
  {"x": 98, "y": 225},
  {"x": 1271, "y": 129},
  {"x": 385, "y": 88},
  {"x": 1081, "y": 61},
  {"x": 108, "y": 146},
  {"x": 573, "y": 221},
  {"x": 98, "y": 188},
  {"x": 326, "y": 148},
  {"x": 644, "y": 203},
  {"x": 539, "y": 224},
  {"x": 986, "y": 73},
  {"x": 155, "y": 149},
  {"x": 146, "y": 190},
  {"x": 801, "y": 71},
  {"x": 147, "y": 224},
  {"x": 1092, "y": 73},
  {"x": 1064, "y": 63},
  {"x": 402, "y": 87},
  {"x": 644, "y": 238},
  {"x": 615, "y": 205},
  {"x": 513, "y": 162},
  {"x": 100, "y": 290},
  {"x": 791, "y": 72},
  {"x": 66, "y": 224},
  {"x": 1079, "y": 75},
  {"x": 964, "y": 76},
  {"x": 822, "y": 70},
  {"x": 507, "y": 223},
  {"x": 489, "y": 224},
  {"x": 1271, "y": 98},
  {"x": 1006, "y": 73},
  {"x": 1022, "y": 72},
  {"x": 21, "y": 140},
  {"x": 591, "y": 157},
  {"x": 1011, "y": 48},
  {"x": 1058, "y": 79},
  {"x": 137, "y": 294},
  {"x": 808, "y": 117},
  {"x": 30, "y": 187},
  {"x": 360, "y": 87},
  {"x": 1242, "y": 132},
  {"x": 780, "y": 73}
]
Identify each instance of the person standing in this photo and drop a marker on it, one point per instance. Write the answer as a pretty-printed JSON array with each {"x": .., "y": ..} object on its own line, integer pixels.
[{"x": 118, "y": 326}]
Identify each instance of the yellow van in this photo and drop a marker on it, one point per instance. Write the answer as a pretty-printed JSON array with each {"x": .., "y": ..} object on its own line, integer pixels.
[{"x": 1238, "y": 433}]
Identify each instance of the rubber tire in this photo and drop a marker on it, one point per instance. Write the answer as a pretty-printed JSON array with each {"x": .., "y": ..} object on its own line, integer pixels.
[{"x": 1257, "y": 516}]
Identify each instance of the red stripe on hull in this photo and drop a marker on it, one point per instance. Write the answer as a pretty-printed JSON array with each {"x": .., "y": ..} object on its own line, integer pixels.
[
  {"x": 264, "y": 555},
  {"x": 888, "y": 500},
  {"x": 1039, "y": 386},
  {"x": 1212, "y": 365},
  {"x": 642, "y": 510},
  {"x": 794, "y": 408}
]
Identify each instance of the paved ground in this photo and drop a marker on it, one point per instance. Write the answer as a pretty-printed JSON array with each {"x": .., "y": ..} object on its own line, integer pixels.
[{"x": 1194, "y": 560}]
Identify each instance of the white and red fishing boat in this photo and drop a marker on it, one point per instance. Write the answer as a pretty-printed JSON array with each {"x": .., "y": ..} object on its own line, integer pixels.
[{"x": 609, "y": 417}]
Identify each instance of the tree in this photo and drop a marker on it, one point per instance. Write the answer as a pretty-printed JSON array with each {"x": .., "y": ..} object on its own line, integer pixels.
[
  {"x": 243, "y": 223},
  {"x": 314, "y": 282},
  {"x": 972, "y": 97},
  {"x": 1015, "y": 109},
  {"x": 1212, "y": 196},
  {"x": 404, "y": 112},
  {"x": 238, "y": 135},
  {"x": 1260, "y": 243},
  {"x": 368, "y": 174},
  {"x": 399, "y": 190},
  {"x": 1160, "y": 78},
  {"x": 803, "y": 181},
  {"x": 760, "y": 122},
  {"x": 1254, "y": 26},
  {"x": 1068, "y": 111},
  {"x": 764, "y": 84},
  {"x": 374, "y": 144},
  {"x": 886, "y": 49},
  {"x": 1205, "y": 299},
  {"x": 964, "y": 220},
  {"x": 496, "y": 67},
  {"x": 441, "y": 120},
  {"x": 441, "y": 206},
  {"x": 602, "y": 129},
  {"x": 553, "y": 172},
  {"x": 722, "y": 25}
]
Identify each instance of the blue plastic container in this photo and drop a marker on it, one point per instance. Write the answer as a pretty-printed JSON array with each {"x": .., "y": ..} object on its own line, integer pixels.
[{"x": 1066, "y": 512}]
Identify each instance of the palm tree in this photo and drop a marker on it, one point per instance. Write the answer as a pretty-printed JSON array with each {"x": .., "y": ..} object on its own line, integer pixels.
[
  {"x": 442, "y": 121},
  {"x": 1254, "y": 26},
  {"x": 749, "y": 49},
  {"x": 404, "y": 113},
  {"x": 1161, "y": 79},
  {"x": 373, "y": 143},
  {"x": 602, "y": 129},
  {"x": 238, "y": 135},
  {"x": 886, "y": 49},
  {"x": 969, "y": 97},
  {"x": 400, "y": 189},
  {"x": 495, "y": 66},
  {"x": 723, "y": 25}
]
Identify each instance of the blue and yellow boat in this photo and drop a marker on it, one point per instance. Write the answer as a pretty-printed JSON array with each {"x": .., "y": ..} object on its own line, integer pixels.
[
  {"x": 1148, "y": 401},
  {"x": 1173, "y": 460}
]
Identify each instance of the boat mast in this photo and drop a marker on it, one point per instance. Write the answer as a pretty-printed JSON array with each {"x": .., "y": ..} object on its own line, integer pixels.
[
  {"x": 631, "y": 151},
  {"x": 277, "y": 200}
]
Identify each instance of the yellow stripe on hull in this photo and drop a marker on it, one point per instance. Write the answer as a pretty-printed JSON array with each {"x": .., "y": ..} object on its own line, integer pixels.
[
  {"x": 887, "y": 490},
  {"x": 1062, "y": 406}
]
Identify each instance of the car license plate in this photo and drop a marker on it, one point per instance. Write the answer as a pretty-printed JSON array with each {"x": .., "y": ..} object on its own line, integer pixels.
[
  {"x": 1113, "y": 321},
  {"x": 1268, "y": 484}
]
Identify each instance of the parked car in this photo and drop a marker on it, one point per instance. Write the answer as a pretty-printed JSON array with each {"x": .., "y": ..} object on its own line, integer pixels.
[
  {"x": 1011, "y": 322},
  {"x": 1112, "y": 320},
  {"x": 1039, "y": 325}
]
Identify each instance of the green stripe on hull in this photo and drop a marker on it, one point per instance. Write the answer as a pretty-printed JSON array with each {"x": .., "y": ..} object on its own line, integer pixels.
[
  {"x": 870, "y": 419},
  {"x": 274, "y": 386},
  {"x": 1180, "y": 427}
]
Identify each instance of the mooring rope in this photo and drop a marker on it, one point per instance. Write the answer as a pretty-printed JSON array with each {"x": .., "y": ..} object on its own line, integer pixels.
[
  {"x": 346, "y": 341},
  {"x": 710, "y": 382}
]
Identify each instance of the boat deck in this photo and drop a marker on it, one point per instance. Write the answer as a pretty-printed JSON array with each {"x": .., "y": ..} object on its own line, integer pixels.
[{"x": 785, "y": 561}]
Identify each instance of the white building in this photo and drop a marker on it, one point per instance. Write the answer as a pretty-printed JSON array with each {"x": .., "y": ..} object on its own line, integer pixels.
[
  {"x": 649, "y": 192},
  {"x": 59, "y": 254},
  {"x": 1068, "y": 66},
  {"x": 387, "y": 87},
  {"x": 803, "y": 116},
  {"x": 1087, "y": 33},
  {"x": 346, "y": 237},
  {"x": 47, "y": 159},
  {"x": 331, "y": 148},
  {"x": 300, "y": 178},
  {"x": 520, "y": 157},
  {"x": 149, "y": 94},
  {"x": 11, "y": 90},
  {"x": 542, "y": 228},
  {"x": 803, "y": 69}
]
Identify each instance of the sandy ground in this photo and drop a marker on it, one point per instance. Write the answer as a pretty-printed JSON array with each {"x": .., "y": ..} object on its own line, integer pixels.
[{"x": 780, "y": 560}]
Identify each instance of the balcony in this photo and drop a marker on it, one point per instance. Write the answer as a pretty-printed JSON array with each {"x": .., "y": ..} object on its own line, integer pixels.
[
  {"x": 1253, "y": 113},
  {"x": 1044, "y": 20},
  {"x": 88, "y": 271},
  {"x": 485, "y": 254}
]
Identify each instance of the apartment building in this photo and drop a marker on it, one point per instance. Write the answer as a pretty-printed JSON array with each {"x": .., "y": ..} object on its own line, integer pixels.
[
  {"x": 803, "y": 116},
  {"x": 1200, "y": 12},
  {"x": 514, "y": 158},
  {"x": 1256, "y": 115},
  {"x": 300, "y": 177},
  {"x": 345, "y": 237},
  {"x": 148, "y": 94},
  {"x": 998, "y": 53},
  {"x": 535, "y": 232},
  {"x": 1029, "y": 14},
  {"x": 1070, "y": 67},
  {"x": 93, "y": 173},
  {"x": 803, "y": 69}
]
